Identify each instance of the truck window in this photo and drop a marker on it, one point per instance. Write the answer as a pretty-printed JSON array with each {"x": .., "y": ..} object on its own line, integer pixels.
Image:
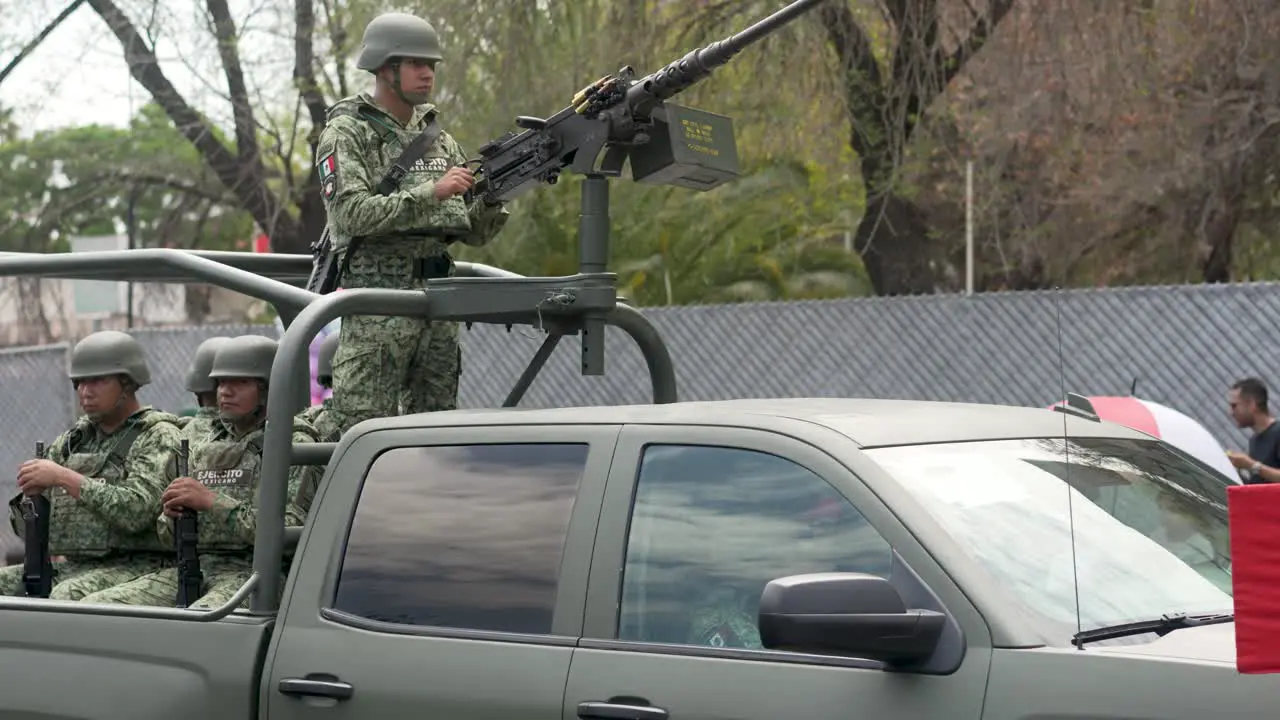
[
  {"x": 711, "y": 526},
  {"x": 464, "y": 536}
]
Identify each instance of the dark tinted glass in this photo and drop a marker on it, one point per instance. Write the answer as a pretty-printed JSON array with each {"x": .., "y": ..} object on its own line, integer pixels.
[
  {"x": 711, "y": 526},
  {"x": 465, "y": 536}
]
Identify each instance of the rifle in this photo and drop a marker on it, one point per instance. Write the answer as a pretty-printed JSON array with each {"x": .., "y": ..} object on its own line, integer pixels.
[
  {"x": 186, "y": 533},
  {"x": 667, "y": 144},
  {"x": 37, "y": 567},
  {"x": 325, "y": 268}
]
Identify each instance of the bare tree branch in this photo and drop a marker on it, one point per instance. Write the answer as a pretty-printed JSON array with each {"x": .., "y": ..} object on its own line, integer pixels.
[
  {"x": 243, "y": 176},
  {"x": 39, "y": 38}
]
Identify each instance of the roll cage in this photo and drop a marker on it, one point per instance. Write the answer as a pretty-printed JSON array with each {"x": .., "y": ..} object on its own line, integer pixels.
[{"x": 583, "y": 303}]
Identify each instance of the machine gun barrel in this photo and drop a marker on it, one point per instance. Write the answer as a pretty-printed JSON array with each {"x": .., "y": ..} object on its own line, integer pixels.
[{"x": 681, "y": 74}]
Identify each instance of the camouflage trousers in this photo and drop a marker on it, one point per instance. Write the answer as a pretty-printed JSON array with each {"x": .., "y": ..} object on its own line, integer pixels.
[
  {"x": 78, "y": 578},
  {"x": 386, "y": 366},
  {"x": 223, "y": 576}
]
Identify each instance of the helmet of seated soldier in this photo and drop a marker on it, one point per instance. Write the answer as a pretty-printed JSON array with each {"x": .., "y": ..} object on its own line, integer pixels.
[
  {"x": 109, "y": 352},
  {"x": 198, "y": 380},
  {"x": 246, "y": 356}
]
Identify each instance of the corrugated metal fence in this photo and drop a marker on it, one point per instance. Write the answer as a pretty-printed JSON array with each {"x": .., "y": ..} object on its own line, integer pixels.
[{"x": 1185, "y": 345}]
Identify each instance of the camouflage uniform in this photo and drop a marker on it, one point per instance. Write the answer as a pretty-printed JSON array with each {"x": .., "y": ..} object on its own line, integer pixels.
[
  {"x": 198, "y": 382},
  {"x": 404, "y": 238},
  {"x": 725, "y": 618},
  {"x": 229, "y": 462},
  {"x": 199, "y": 423},
  {"x": 321, "y": 416},
  {"x": 106, "y": 535}
]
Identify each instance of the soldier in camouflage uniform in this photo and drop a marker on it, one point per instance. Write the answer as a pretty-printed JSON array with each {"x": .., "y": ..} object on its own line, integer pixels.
[
  {"x": 224, "y": 465},
  {"x": 401, "y": 239},
  {"x": 204, "y": 388},
  {"x": 321, "y": 416},
  {"x": 104, "y": 476}
]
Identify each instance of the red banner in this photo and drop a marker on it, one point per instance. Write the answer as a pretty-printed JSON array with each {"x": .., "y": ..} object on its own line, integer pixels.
[{"x": 1255, "y": 575}]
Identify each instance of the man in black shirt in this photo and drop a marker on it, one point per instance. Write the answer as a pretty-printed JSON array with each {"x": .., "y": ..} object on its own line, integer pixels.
[{"x": 1248, "y": 398}]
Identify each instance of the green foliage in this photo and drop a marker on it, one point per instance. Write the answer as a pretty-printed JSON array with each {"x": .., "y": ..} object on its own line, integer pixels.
[{"x": 81, "y": 180}]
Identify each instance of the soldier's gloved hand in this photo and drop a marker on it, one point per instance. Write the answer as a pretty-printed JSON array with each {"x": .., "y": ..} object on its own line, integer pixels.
[
  {"x": 455, "y": 182},
  {"x": 186, "y": 494}
]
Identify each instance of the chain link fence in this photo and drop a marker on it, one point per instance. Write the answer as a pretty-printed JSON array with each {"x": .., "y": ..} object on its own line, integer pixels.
[{"x": 1184, "y": 346}]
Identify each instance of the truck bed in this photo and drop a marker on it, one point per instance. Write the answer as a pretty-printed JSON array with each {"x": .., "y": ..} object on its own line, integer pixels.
[{"x": 101, "y": 667}]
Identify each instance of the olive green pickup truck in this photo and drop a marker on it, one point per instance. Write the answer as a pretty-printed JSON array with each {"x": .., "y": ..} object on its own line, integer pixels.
[{"x": 750, "y": 559}]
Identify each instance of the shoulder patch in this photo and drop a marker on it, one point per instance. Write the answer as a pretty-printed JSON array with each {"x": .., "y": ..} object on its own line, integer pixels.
[{"x": 328, "y": 169}]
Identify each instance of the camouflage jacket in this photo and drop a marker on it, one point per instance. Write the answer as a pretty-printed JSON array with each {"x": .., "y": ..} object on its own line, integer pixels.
[
  {"x": 321, "y": 418},
  {"x": 230, "y": 463},
  {"x": 359, "y": 142},
  {"x": 124, "y": 474},
  {"x": 195, "y": 427}
]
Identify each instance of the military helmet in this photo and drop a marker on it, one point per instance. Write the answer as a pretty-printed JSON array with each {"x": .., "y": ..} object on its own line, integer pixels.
[
  {"x": 198, "y": 380},
  {"x": 109, "y": 352},
  {"x": 397, "y": 35},
  {"x": 246, "y": 356},
  {"x": 324, "y": 358}
]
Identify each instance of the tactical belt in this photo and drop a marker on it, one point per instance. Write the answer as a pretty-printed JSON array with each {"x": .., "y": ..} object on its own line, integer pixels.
[{"x": 428, "y": 268}]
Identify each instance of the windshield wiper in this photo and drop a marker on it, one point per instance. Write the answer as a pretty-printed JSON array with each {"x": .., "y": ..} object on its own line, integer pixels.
[{"x": 1161, "y": 626}]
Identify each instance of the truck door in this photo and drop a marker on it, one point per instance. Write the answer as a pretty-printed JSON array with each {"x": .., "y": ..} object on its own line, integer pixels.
[
  {"x": 696, "y": 520},
  {"x": 442, "y": 574}
]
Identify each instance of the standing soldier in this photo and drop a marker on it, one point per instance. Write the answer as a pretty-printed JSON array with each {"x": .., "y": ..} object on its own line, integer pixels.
[
  {"x": 204, "y": 388},
  {"x": 104, "y": 476},
  {"x": 394, "y": 232},
  {"x": 225, "y": 465}
]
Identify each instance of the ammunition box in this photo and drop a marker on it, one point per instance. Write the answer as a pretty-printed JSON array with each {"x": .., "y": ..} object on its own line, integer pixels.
[{"x": 687, "y": 148}]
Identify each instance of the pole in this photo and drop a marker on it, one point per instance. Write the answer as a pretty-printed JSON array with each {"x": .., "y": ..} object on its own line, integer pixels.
[
  {"x": 131, "y": 225},
  {"x": 968, "y": 227}
]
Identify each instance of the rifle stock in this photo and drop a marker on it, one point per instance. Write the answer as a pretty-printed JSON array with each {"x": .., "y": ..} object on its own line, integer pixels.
[
  {"x": 186, "y": 535},
  {"x": 37, "y": 567}
]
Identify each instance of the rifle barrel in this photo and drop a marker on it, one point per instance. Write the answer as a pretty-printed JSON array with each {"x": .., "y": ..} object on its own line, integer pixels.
[{"x": 681, "y": 74}]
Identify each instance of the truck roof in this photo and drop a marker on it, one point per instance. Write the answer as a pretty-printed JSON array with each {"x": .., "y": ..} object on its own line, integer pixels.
[{"x": 868, "y": 422}]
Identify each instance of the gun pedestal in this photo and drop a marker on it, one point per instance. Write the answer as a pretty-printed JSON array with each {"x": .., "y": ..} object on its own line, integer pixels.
[{"x": 593, "y": 257}]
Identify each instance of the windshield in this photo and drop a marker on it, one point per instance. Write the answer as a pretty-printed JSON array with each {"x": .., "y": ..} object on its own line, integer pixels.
[{"x": 1150, "y": 525}]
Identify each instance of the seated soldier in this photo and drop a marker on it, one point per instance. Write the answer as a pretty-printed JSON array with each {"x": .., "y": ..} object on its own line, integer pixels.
[
  {"x": 199, "y": 383},
  {"x": 223, "y": 486},
  {"x": 103, "y": 477},
  {"x": 320, "y": 417}
]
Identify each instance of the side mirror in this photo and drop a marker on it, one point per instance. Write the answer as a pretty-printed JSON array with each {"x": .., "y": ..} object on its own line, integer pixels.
[{"x": 846, "y": 614}]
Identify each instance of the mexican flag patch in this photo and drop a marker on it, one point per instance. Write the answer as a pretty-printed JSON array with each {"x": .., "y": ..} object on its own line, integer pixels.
[{"x": 328, "y": 175}]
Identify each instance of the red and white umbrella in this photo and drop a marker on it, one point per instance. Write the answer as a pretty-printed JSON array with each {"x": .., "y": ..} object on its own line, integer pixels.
[{"x": 1171, "y": 426}]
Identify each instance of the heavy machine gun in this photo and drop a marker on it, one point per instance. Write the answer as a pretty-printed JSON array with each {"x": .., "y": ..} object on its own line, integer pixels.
[{"x": 667, "y": 144}]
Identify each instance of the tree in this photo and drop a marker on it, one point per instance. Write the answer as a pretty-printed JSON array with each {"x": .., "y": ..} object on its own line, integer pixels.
[
  {"x": 144, "y": 180},
  {"x": 889, "y": 70},
  {"x": 261, "y": 178}
]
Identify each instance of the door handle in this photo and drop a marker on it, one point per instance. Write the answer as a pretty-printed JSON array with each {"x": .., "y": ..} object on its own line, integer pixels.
[
  {"x": 312, "y": 687},
  {"x": 618, "y": 711}
]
